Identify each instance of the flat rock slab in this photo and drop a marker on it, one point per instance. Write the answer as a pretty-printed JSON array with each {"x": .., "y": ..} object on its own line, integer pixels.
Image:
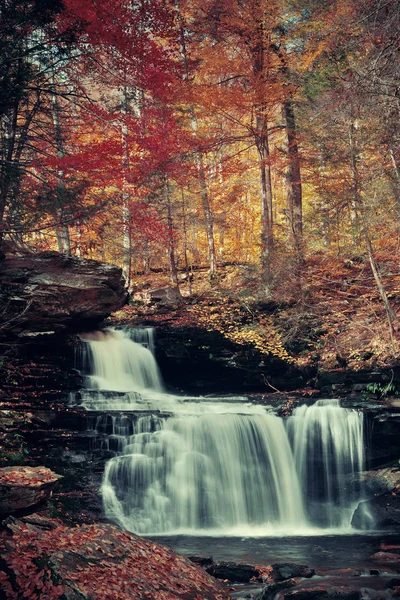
[
  {"x": 22, "y": 487},
  {"x": 49, "y": 292}
]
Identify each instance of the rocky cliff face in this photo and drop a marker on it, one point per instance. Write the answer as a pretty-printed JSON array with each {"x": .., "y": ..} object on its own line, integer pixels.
[{"x": 50, "y": 292}]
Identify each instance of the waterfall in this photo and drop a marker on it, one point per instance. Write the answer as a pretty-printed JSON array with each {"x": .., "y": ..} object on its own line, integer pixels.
[
  {"x": 119, "y": 372},
  {"x": 214, "y": 465},
  {"x": 328, "y": 446},
  {"x": 202, "y": 472}
]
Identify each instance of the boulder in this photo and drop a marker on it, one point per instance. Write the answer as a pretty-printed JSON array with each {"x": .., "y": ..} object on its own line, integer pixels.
[
  {"x": 232, "y": 571},
  {"x": 282, "y": 571},
  {"x": 384, "y": 511},
  {"x": 386, "y": 557},
  {"x": 50, "y": 292},
  {"x": 23, "y": 487},
  {"x": 323, "y": 593},
  {"x": 169, "y": 297},
  {"x": 97, "y": 561}
]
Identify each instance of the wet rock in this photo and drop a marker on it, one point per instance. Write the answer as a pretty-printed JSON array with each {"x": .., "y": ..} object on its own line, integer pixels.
[
  {"x": 321, "y": 593},
  {"x": 270, "y": 591},
  {"x": 203, "y": 561},
  {"x": 98, "y": 561},
  {"x": 392, "y": 583},
  {"x": 381, "y": 480},
  {"x": 23, "y": 487},
  {"x": 282, "y": 571},
  {"x": 386, "y": 557},
  {"x": 49, "y": 292},
  {"x": 235, "y": 572},
  {"x": 384, "y": 510}
]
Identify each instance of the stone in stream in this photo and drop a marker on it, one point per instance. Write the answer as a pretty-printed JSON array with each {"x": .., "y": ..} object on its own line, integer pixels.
[
  {"x": 235, "y": 572},
  {"x": 270, "y": 591},
  {"x": 384, "y": 510},
  {"x": 282, "y": 571},
  {"x": 321, "y": 593}
]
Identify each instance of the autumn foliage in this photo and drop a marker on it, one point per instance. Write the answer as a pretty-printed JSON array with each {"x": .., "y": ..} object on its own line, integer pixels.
[{"x": 177, "y": 135}]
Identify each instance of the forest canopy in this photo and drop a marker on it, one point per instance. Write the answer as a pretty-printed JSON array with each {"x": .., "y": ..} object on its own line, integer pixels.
[{"x": 173, "y": 134}]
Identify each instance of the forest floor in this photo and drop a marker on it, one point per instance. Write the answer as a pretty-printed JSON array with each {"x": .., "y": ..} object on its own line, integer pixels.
[{"x": 332, "y": 316}]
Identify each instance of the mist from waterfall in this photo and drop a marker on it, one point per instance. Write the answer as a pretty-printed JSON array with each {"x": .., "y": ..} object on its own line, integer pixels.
[{"x": 216, "y": 465}]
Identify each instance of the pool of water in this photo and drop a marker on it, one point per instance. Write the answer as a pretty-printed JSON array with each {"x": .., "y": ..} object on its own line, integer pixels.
[{"x": 319, "y": 552}]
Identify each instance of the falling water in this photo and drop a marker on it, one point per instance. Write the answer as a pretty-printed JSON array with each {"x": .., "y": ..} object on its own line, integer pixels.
[
  {"x": 186, "y": 465},
  {"x": 119, "y": 372},
  {"x": 328, "y": 445},
  {"x": 207, "y": 471}
]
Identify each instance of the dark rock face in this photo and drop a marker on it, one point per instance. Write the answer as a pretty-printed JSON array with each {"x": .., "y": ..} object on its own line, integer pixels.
[
  {"x": 204, "y": 362},
  {"x": 235, "y": 572},
  {"x": 385, "y": 438},
  {"x": 23, "y": 487},
  {"x": 50, "y": 292}
]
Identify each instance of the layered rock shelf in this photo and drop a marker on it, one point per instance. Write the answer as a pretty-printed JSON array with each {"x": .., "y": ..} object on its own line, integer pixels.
[{"x": 48, "y": 292}]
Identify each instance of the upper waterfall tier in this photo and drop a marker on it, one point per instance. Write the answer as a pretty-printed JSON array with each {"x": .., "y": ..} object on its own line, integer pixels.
[{"x": 112, "y": 361}]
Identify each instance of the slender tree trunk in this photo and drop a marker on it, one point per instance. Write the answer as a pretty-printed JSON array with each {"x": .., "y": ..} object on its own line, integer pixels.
[
  {"x": 171, "y": 245},
  {"x": 260, "y": 67},
  {"x": 58, "y": 232},
  {"x": 146, "y": 257},
  {"x": 185, "y": 243},
  {"x": 61, "y": 191},
  {"x": 267, "y": 240},
  {"x": 294, "y": 188},
  {"x": 126, "y": 210},
  {"x": 9, "y": 168},
  {"x": 208, "y": 215},
  {"x": 390, "y": 314},
  {"x": 356, "y": 202}
]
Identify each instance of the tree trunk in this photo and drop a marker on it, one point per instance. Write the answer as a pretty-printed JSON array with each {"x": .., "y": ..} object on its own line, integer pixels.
[
  {"x": 61, "y": 192},
  {"x": 267, "y": 241},
  {"x": 261, "y": 67},
  {"x": 171, "y": 245},
  {"x": 294, "y": 188},
  {"x": 185, "y": 243},
  {"x": 126, "y": 209},
  {"x": 208, "y": 215},
  {"x": 390, "y": 314}
]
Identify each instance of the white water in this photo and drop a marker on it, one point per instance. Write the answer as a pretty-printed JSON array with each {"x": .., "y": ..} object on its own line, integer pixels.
[
  {"x": 328, "y": 446},
  {"x": 215, "y": 465}
]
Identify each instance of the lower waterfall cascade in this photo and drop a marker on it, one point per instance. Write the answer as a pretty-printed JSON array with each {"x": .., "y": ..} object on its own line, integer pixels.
[{"x": 214, "y": 465}]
